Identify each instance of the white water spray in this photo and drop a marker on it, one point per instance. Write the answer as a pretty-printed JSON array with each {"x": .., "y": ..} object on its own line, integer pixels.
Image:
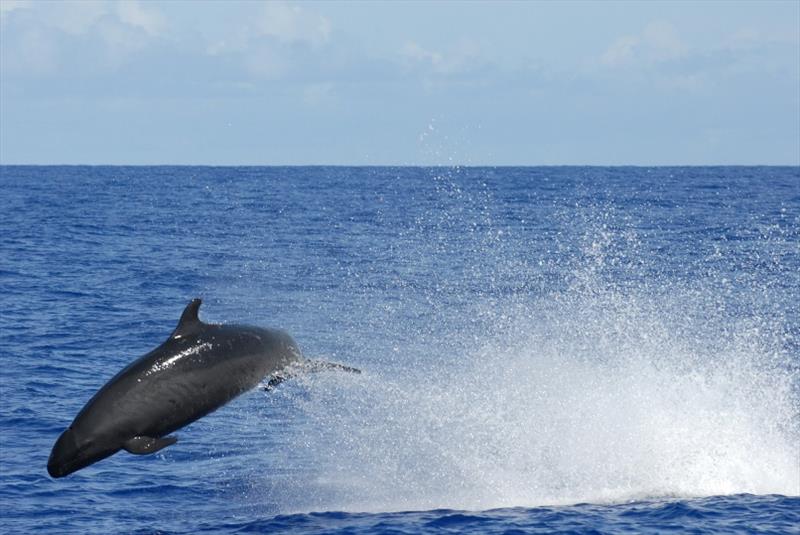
[
  {"x": 608, "y": 410},
  {"x": 621, "y": 383}
]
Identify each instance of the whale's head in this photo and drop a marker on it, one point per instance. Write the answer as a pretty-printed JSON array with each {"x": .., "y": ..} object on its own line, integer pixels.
[{"x": 75, "y": 450}]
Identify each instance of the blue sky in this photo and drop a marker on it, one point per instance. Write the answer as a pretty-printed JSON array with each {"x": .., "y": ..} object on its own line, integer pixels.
[{"x": 403, "y": 83}]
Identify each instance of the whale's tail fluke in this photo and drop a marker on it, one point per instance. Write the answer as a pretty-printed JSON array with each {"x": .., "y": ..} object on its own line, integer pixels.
[
  {"x": 313, "y": 366},
  {"x": 304, "y": 367}
]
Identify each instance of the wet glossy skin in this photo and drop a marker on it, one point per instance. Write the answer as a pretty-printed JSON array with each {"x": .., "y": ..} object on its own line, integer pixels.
[{"x": 197, "y": 370}]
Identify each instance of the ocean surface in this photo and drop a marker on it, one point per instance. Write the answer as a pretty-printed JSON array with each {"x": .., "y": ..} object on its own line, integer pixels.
[{"x": 560, "y": 349}]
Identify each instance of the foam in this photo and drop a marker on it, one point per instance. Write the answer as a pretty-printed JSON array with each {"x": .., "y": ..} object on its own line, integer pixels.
[
  {"x": 597, "y": 375},
  {"x": 600, "y": 413}
]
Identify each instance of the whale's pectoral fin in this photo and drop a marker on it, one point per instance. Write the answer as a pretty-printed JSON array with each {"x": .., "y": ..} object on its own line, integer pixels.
[{"x": 144, "y": 445}]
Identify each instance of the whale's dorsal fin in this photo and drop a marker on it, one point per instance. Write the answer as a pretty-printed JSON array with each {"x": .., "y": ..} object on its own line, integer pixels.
[{"x": 189, "y": 321}]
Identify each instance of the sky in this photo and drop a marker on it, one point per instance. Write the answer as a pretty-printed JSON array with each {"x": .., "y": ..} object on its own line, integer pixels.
[{"x": 399, "y": 83}]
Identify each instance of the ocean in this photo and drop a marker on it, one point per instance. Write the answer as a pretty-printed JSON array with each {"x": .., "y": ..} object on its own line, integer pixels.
[{"x": 544, "y": 349}]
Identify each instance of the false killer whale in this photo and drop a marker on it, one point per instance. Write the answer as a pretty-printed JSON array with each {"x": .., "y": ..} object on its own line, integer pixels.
[{"x": 197, "y": 370}]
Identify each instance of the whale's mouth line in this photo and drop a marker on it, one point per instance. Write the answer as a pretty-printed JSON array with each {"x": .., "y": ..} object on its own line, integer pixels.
[
  {"x": 61, "y": 469},
  {"x": 64, "y": 468},
  {"x": 68, "y": 457}
]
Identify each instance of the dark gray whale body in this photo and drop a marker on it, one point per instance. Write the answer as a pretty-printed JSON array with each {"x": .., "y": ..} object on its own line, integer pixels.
[{"x": 197, "y": 370}]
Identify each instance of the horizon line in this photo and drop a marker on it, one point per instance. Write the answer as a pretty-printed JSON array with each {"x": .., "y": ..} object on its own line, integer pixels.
[{"x": 449, "y": 166}]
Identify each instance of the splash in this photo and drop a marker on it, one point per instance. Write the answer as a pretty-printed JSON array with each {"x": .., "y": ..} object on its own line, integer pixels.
[
  {"x": 587, "y": 403},
  {"x": 591, "y": 373}
]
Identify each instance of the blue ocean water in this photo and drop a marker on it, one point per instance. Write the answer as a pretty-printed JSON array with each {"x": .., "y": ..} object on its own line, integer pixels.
[{"x": 544, "y": 349}]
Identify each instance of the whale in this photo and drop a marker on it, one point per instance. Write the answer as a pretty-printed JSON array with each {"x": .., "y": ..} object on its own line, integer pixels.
[{"x": 198, "y": 369}]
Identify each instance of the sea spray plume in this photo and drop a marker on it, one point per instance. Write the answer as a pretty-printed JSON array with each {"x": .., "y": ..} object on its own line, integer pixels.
[
  {"x": 595, "y": 414},
  {"x": 628, "y": 379}
]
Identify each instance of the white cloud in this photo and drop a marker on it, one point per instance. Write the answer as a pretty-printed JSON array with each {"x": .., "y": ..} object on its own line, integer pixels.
[
  {"x": 7, "y": 6},
  {"x": 75, "y": 17},
  {"x": 292, "y": 24},
  {"x": 621, "y": 51},
  {"x": 463, "y": 57},
  {"x": 658, "y": 57},
  {"x": 79, "y": 17},
  {"x": 266, "y": 61},
  {"x": 663, "y": 42},
  {"x": 753, "y": 39},
  {"x": 44, "y": 38},
  {"x": 134, "y": 14},
  {"x": 414, "y": 51},
  {"x": 274, "y": 41},
  {"x": 657, "y": 42},
  {"x": 235, "y": 43}
]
